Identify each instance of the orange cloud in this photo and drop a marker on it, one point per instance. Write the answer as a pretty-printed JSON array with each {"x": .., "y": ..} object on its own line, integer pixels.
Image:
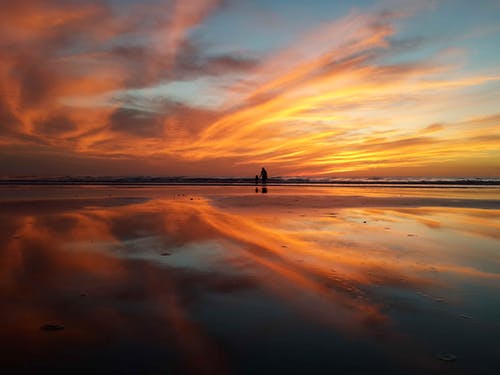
[{"x": 330, "y": 103}]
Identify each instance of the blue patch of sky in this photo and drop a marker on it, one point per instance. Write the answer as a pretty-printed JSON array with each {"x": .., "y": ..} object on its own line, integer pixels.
[
  {"x": 462, "y": 24},
  {"x": 263, "y": 26},
  {"x": 199, "y": 93}
]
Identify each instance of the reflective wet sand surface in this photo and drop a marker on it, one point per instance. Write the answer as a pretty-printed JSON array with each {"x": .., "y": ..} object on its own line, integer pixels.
[{"x": 236, "y": 280}]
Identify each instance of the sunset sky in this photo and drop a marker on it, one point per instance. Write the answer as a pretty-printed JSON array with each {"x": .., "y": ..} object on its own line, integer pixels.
[{"x": 222, "y": 88}]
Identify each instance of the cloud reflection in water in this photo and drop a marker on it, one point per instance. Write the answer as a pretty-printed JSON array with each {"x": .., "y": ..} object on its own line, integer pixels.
[{"x": 99, "y": 269}]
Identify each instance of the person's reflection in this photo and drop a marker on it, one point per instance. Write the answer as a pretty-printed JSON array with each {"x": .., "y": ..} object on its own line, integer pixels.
[
  {"x": 264, "y": 190},
  {"x": 256, "y": 189}
]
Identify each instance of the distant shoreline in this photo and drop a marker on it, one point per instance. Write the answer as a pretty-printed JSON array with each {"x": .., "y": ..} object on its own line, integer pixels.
[{"x": 196, "y": 181}]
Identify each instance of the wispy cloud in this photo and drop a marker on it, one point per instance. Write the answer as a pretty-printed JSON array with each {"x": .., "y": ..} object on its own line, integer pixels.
[{"x": 87, "y": 78}]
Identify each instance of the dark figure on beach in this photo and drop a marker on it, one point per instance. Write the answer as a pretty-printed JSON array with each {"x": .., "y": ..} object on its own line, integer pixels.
[
  {"x": 263, "y": 175},
  {"x": 256, "y": 179}
]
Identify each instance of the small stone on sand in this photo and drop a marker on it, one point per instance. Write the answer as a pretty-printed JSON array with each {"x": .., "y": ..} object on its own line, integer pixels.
[
  {"x": 52, "y": 327},
  {"x": 165, "y": 254},
  {"x": 447, "y": 357}
]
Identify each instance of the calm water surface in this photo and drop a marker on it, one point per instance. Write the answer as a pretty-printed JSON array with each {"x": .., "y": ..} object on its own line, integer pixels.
[{"x": 230, "y": 280}]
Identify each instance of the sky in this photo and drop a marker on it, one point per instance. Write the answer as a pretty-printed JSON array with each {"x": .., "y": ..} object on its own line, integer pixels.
[{"x": 224, "y": 87}]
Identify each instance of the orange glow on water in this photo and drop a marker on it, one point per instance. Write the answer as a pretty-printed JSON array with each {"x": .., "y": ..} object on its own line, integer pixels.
[{"x": 133, "y": 263}]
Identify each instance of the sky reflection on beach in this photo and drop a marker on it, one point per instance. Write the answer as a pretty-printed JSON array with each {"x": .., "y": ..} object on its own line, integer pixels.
[{"x": 194, "y": 282}]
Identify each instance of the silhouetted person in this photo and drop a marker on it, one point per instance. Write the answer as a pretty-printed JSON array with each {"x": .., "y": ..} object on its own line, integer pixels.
[
  {"x": 256, "y": 179},
  {"x": 263, "y": 175}
]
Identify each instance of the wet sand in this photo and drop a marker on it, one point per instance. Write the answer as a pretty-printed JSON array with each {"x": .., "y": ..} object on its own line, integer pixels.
[{"x": 218, "y": 279}]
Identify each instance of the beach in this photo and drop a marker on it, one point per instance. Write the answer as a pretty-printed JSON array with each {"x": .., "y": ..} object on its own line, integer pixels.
[{"x": 250, "y": 279}]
